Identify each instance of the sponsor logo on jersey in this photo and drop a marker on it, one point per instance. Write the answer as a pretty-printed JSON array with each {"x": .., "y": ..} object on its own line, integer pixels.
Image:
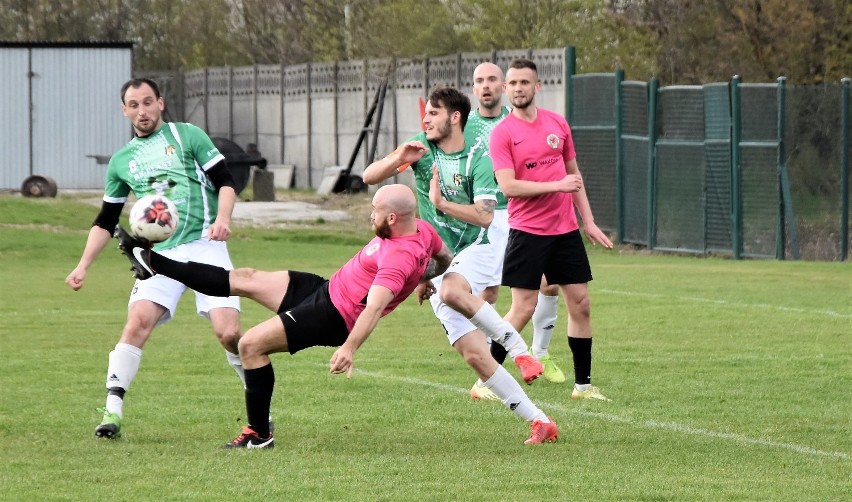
[{"x": 372, "y": 248}]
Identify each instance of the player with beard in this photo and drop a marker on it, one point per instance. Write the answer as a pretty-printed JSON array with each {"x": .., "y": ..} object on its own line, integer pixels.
[
  {"x": 456, "y": 192},
  {"x": 312, "y": 311},
  {"x": 488, "y": 89},
  {"x": 535, "y": 163},
  {"x": 177, "y": 160}
]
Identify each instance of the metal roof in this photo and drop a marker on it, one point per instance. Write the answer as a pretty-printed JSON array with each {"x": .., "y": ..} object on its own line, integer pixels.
[{"x": 105, "y": 44}]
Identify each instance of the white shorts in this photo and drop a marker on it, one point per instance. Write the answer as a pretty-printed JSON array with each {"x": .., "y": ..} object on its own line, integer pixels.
[
  {"x": 498, "y": 236},
  {"x": 474, "y": 263},
  {"x": 167, "y": 292}
]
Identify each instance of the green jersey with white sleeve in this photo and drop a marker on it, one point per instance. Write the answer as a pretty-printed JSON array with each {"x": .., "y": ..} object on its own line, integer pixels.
[
  {"x": 478, "y": 128},
  {"x": 172, "y": 162},
  {"x": 465, "y": 177}
]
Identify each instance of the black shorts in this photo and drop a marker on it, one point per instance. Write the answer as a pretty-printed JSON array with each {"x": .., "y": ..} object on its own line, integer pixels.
[
  {"x": 310, "y": 319},
  {"x": 562, "y": 259}
]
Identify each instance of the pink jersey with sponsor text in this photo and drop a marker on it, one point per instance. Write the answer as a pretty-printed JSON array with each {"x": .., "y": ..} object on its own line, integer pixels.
[
  {"x": 397, "y": 264},
  {"x": 537, "y": 151}
]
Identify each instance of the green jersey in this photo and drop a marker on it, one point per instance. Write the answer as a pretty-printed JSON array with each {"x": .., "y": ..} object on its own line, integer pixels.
[
  {"x": 170, "y": 162},
  {"x": 465, "y": 177},
  {"x": 478, "y": 128}
]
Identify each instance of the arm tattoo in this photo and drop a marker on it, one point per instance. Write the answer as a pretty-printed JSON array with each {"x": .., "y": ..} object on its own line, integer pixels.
[
  {"x": 486, "y": 206},
  {"x": 437, "y": 265}
]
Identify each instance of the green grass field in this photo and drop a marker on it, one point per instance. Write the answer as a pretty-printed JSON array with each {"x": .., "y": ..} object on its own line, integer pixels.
[{"x": 730, "y": 380}]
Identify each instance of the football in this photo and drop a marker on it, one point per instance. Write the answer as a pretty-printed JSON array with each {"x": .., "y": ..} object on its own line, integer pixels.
[{"x": 153, "y": 218}]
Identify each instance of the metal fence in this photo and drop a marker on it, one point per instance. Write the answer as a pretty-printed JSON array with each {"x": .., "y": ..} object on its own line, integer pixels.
[{"x": 745, "y": 170}]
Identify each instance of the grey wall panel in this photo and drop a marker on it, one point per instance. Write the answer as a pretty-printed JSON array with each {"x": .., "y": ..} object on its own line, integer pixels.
[
  {"x": 77, "y": 112},
  {"x": 15, "y": 161}
]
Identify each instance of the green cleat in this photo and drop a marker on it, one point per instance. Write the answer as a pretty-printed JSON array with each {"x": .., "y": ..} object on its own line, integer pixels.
[
  {"x": 552, "y": 373},
  {"x": 110, "y": 426},
  {"x": 591, "y": 393}
]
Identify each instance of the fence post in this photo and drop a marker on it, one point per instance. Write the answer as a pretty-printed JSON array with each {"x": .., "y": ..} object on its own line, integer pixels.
[
  {"x": 254, "y": 102},
  {"x": 231, "y": 103},
  {"x": 281, "y": 104},
  {"x": 569, "y": 68},
  {"x": 335, "y": 91},
  {"x": 619, "y": 158},
  {"x": 736, "y": 199},
  {"x": 308, "y": 114},
  {"x": 786, "y": 219},
  {"x": 204, "y": 98},
  {"x": 653, "y": 86},
  {"x": 844, "y": 168}
]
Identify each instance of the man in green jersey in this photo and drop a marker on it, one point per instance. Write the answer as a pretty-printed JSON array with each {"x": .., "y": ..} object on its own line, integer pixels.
[
  {"x": 456, "y": 192},
  {"x": 179, "y": 161},
  {"x": 488, "y": 89}
]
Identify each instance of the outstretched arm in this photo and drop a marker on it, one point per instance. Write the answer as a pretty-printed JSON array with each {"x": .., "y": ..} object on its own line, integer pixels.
[
  {"x": 383, "y": 169},
  {"x": 99, "y": 237},
  {"x": 95, "y": 243},
  {"x": 343, "y": 358}
]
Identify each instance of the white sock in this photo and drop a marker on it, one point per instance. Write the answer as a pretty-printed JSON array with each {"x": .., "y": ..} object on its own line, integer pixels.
[
  {"x": 123, "y": 364},
  {"x": 513, "y": 396},
  {"x": 498, "y": 329},
  {"x": 234, "y": 361},
  {"x": 544, "y": 320}
]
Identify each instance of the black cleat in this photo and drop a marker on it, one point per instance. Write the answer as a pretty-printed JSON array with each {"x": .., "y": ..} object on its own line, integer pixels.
[{"x": 137, "y": 251}]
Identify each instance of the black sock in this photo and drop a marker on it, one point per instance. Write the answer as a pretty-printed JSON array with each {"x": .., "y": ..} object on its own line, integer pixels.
[
  {"x": 581, "y": 349},
  {"x": 498, "y": 352},
  {"x": 207, "y": 279},
  {"x": 259, "y": 385}
]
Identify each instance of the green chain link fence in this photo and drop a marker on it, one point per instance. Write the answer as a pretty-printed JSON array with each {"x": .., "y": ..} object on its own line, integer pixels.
[{"x": 745, "y": 170}]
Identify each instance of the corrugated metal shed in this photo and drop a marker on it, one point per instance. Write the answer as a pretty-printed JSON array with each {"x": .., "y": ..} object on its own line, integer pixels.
[{"x": 62, "y": 109}]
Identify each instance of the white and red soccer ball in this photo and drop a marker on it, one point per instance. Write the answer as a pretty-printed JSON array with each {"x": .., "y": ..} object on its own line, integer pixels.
[{"x": 153, "y": 218}]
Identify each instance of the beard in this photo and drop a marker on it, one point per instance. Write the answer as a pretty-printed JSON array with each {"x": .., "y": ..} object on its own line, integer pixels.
[
  {"x": 382, "y": 230},
  {"x": 521, "y": 102},
  {"x": 442, "y": 131},
  {"x": 148, "y": 128}
]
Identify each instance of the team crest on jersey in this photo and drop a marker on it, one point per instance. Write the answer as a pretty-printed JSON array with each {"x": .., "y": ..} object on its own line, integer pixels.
[
  {"x": 553, "y": 141},
  {"x": 170, "y": 150},
  {"x": 457, "y": 179},
  {"x": 133, "y": 166},
  {"x": 372, "y": 248}
]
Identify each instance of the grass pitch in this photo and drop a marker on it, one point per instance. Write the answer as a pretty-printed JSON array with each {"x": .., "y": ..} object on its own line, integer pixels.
[{"x": 730, "y": 380}]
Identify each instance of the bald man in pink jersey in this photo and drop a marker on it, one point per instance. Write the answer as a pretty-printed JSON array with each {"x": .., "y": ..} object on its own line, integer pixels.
[
  {"x": 534, "y": 161},
  {"x": 311, "y": 311}
]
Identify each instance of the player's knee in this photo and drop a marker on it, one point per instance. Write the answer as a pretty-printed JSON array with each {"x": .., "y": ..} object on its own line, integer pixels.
[
  {"x": 522, "y": 311},
  {"x": 250, "y": 345},
  {"x": 229, "y": 336},
  {"x": 579, "y": 308},
  {"x": 490, "y": 294}
]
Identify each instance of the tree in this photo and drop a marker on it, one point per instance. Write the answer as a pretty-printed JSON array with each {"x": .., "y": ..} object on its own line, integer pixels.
[
  {"x": 808, "y": 41},
  {"x": 604, "y": 41}
]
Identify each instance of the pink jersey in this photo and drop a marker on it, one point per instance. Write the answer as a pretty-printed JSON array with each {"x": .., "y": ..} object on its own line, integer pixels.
[
  {"x": 397, "y": 264},
  {"x": 537, "y": 151}
]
